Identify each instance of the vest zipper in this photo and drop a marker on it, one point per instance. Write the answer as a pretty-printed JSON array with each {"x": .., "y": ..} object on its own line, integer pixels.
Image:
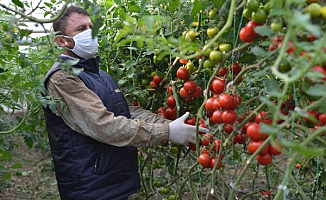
[{"x": 95, "y": 165}]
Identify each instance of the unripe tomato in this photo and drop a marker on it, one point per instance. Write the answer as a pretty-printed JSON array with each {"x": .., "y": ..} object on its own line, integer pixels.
[
  {"x": 259, "y": 16},
  {"x": 209, "y": 64},
  {"x": 268, "y": 6},
  {"x": 277, "y": 26},
  {"x": 253, "y": 5},
  {"x": 253, "y": 132},
  {"x": 182, "y": 73},
  {"x": 285, "y": 66},
  {"x": 190, "y": 67},
  {"x": 314, "y": 10},
  {"x": 173, "y": 197},
  {"x": 174, "y": 150},
  {"x": 211, "y": 32},
  {"x": 204, "y": 160},
  {"x": 165, "y": 190},
  {"x": 229, "y": 116},
  {"x": 215, "y": 56},
  {"x": 247, "y": 13},
  {"x": 212, "y": 13},
  {"x": 225, "y": 47},
  {"x": 191, "y": 36},
  {"x": 323, "y": 12},
  {"x": 265, "y": 159},
  {"x": 190, "y": 86},
  {"x": 170, "y": 102},
  {"x": 254, "y": 145}
]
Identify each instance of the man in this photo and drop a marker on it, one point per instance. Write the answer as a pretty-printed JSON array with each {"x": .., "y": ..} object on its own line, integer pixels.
[{"x": 93, "y": 141}]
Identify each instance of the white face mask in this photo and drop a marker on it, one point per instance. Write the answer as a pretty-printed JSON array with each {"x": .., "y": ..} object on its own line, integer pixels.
[{"x": 85, "y": 46}]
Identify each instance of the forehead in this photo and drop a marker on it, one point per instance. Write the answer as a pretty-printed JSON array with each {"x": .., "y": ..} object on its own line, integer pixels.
[{"x": 76, "y": 19}]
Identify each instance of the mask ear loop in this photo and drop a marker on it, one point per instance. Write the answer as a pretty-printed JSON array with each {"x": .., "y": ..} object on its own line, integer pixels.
[{"x": 68, "y": 37}]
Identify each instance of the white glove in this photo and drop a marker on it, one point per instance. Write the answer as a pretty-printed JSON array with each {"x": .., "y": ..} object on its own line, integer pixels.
[{"x": 182, "y": 133}]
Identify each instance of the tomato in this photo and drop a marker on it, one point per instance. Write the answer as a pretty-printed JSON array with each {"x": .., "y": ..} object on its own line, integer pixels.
[
  {"x": 160, "y": 110},
  {"x": 191, "y": 36},
  {"x": 314, "y": 10},
  {"x": 211, "y": 32},
  {"x": 165, "y": 190},
  {"x": 298, "y": 166},
  {"x": 253, "y": 132},
  {"x": 218, "y": 85},
  {"x": 208, "y": 64},
  {"x": 182, "y": 73},
  {"x": 217, "y": 146},
  {"x": 311, "y": 38},
  {"x": 313, "y": 114},
  {"x": 252, "y": 25},
  {"x": 265, "y": 159},
  {"x": 183, "y": 61},
  {"x": 260, "y": 116},
  {"x": 235, "y": 68},
  {"x": 214, "y": 162},
  {"x": 321, "y": 70},
  {"x": 322, "y": 118},
  {"x": 174, "y": 150},
  {"x": 268, "y": 6},
  {"x": 215, "y": 56},
  {"x": 259, "y": 16},
  {"x": 228, "y": 128},
  {"x": 238, "y": 98},
  {"x": 171, "y": 113},
  {"x": 253, "y": 5},
  {"x": 285, "y": 66},
  {"x": 153, "y": 86},
  {"x": 173, "y": 197},
  {"x": 217, "y": 117},
  {"x": 204, "y": 160},
  {"x": 170, "y": 91},
  {"x": 247, "y": 13},
  {"x": 157, "y": 80},
  {"x": 190, "y": 67},
  {"x": 246, "y": 35},
  {"x": 170, "y": 102},
  {"x": 191, "y": 121},
  {"x": 277, "y": 26},
  {"x": 225, "y": 47},
  {"x": 212, "y": 13},
  {"x": 222, "y": 71},
  {"x": 204, "y": 126},
  {"x": 291, "y": 48},
  {"x": 276, "y": 151},
  {"x": 184, "y": 93},
  {"x": 192, "y": 146},
  {"x": 144, "y": 82},
  {"x": 229, "y": 116},
  {"x": 312, "y": 1},
  {"x": 198, "y": 92},
  {"x": 323, "y": 12},
  {"x": 207, "y": 139},
  {"x": 272, "y": 47},
  {"x": 190, "y": 86},
  {"x": 241, "y": 138},
  {"x": 209, "y": 104},
  {"x": 216, "y": 104},
  {"x": 226, "y": 101},
  {"x": 254, "y": 145}
]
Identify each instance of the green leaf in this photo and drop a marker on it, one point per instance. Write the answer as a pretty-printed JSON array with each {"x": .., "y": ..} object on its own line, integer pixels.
[
  {"x": 264, "y": 128},
  {"x": 96, "y": 26},
  {"x": 170, "y": 164},
  {"x": 260, "y": 52},
  {"x": 16, "y": 79},
  {"x": 317, "y": 90},
  {"x": 5, "y": 155},
  {"x": 306, "y": 152},
  {"x": 16, "y": 166},
  {"x": 7, "y": 18},
  {"x": 117, "y": 2},
  {"x": 267, "y": 101},
  {"x": 142, "y": 7},
  {"x": 272, "y": 87},
  {"x": 6, "y": 175},
  {"x": 130, "y": 63},
  {"x": 263, "y": 31},
  {"x": 196, "y": 8},
  {"x": 18, "y": 3},
  {"x": 173, "y": 5}
]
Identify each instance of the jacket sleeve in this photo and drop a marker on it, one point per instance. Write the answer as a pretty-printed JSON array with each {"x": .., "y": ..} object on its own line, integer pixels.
[
  {"x": 140, "y": 113},
  {"x": 86, "y": 114}
]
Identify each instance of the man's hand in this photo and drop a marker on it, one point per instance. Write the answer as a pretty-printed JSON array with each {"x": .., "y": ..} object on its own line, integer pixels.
[{"x": 181, "y": 133}]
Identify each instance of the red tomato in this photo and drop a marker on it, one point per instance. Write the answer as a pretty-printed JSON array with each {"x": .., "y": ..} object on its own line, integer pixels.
[
  {"x": 238, "y": 98},
  {"x": 153, "y": 86},
  {"x": 265, "y": 159},
  {"x": 313, "y": 114},
  {"x": 216, "y": 104},
  {"x": 204, "y": 126},
  {"x": 272, "y": 47},
  {"x": 135, "y": 103},
  {"x": 184, "y": 93},
  {"x": 253, "y": 132},
  {"x": 241, "y": 138},
  {"x": 204, "y": 151},
  {"x": 228, "y": 128},
  {"x": 222, "y": 71},
  {"x": 190, "y": 86},
  {"x": 157, "y": 79},
  {"x": 322, "y": 118},
  {"x": 182, "y": 73},
  {"x": 291, "y": 48},
  {"x": 160, "y": 110},
  {"x": 217, "y": 146},
  {"x": 260, "y": 116},
  {"x": 235, "y": 68},
  {"x": 298, "y": 166},
  {"x": 217, "y": 117},
  {"x": 204, "y": 160},
  {"x": 191, "y": 121},
  {"x": 229, "y": 116},
  {"x": 274, "y": 151},
  {"x": 162, "y": 114},
  {"x": 198, "y": 92},
  {"x": 321, "y": 70},
  {"x": 226, "y": 101},
  {"x": 171, "y": 113},
  {"x": 311, "y": 38},
  {"x": 252, "y": 25},
  {"x": 183, "y": 61},
  {"x": 170, "y": 89},
  {"x": 218, "y": 85},
  {"x": 213, "y": 163},
  {"x": 192, "y": 146},
  {"x": 246, "y": 35},
  {"x": 254, "y": 145},
  {"x": 207, "y": 139},
  {"x": 170, "y": 102},
  {"x": 209, "y": 104}
]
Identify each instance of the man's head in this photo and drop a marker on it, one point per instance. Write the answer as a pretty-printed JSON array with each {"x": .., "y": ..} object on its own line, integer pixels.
[{"x": 74, "y": 20}]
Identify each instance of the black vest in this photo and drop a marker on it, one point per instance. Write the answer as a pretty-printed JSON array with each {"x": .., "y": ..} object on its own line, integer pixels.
[{"x": 85, "y": 168}]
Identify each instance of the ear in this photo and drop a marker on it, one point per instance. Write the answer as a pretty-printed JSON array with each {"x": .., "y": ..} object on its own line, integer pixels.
[{"x": 60, "y": 41}]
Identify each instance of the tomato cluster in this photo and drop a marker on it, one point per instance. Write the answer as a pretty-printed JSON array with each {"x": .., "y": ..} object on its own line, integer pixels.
[
  {"x": 247, "y": 33},
  {"x": 155, "y": 83}
]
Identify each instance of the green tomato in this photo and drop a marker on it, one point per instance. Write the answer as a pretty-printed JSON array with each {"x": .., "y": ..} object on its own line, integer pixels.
[
  {"x": 285, "y": 66},
  {"x": 277, "y": 26},
  {"x": 259, "y": 16},
  {"x": 209, "y": 64},
  {"x": 314, "y": 10},
  {"x": 207, "y": 51},
  {"x": 173, "y": 197},
  {"x": 147, "y": 69},
  {"x": 323, "y": 12},
  {"x": 174, "y": 150},
  {"x": 190, "y": 67},
  {"x": 215, "y": 56},
  {"x": 211, "y": 32},
  {"x": 268, "y": 6},
  {"x": 253, "y": 5},
  {"x": 144, "y": 83},
  {"x": 165, "y": 190},
  {"x": 212, "y": 13},
  {"x": 191, "y": 36},
  {"x": 247, "y": 13},
  {"x": 225, "y": 47}
]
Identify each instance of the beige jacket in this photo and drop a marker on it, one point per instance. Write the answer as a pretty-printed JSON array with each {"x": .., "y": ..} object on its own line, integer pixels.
[{"x": 86, "y": 114}]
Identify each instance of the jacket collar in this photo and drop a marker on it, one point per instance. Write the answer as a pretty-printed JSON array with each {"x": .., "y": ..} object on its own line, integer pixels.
[{"x": 89, "y": 65}]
